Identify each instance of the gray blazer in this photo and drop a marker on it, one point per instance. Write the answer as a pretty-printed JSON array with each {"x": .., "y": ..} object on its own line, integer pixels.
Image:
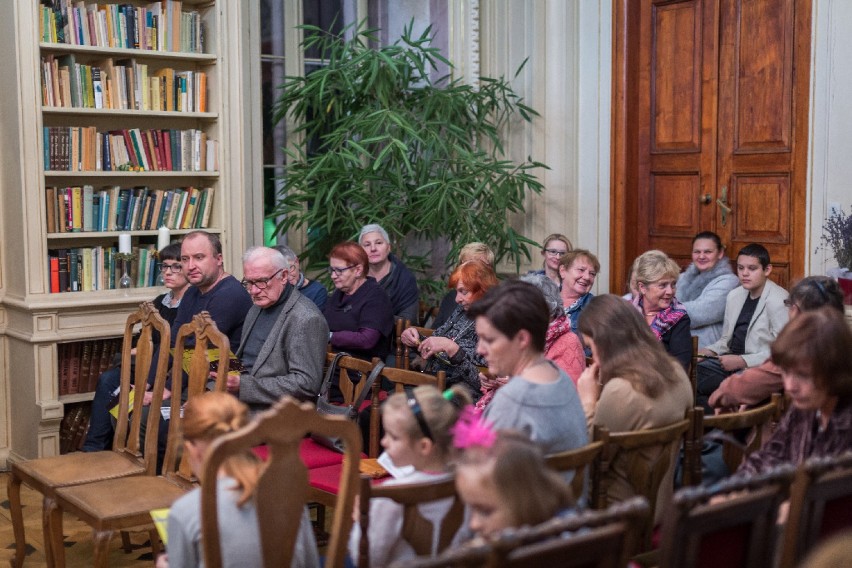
[
  {"x": 291, "y": 359},
  {"x": 765, "y": 325}
]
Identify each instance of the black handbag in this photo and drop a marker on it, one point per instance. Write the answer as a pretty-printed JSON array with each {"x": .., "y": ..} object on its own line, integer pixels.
[{"x": 350, "y": 411}]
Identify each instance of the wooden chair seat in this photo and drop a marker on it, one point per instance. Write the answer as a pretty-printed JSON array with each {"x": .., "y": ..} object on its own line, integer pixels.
[
  {"x": 124, "y": 503},
  {"x": 732, "y": 524},
  {"x": 820, "y": 506},
  {"x": 46, "y": 475},
  {"x": 282, "y": 429},
  {"x": 417, "y": 531}
]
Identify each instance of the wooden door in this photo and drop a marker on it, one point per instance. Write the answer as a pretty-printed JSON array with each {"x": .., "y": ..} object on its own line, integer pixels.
[{"x": 710, "y": 128}]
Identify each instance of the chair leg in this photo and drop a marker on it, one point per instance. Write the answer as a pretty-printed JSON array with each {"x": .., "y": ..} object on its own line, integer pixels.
[
  {"x": 154, "y": 537},
  {"x": 54, "y": 548},
  {"x": 101, "y": 540},
  {"x": 16, "y": 510},
  {"x": 126, "y": 545}
]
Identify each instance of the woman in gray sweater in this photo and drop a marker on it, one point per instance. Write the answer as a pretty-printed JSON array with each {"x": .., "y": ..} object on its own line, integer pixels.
[{"x": 703, "y": 287}]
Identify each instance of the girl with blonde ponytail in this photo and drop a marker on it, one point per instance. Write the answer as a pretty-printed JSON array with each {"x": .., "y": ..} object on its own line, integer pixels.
[{"x": 205, "y": 418}]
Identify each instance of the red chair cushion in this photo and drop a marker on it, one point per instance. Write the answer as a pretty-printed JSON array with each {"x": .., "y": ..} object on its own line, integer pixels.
[{"x": 313, "y": 455}]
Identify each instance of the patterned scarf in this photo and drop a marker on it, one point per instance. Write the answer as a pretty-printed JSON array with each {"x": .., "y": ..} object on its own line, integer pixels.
[
  {"x": 665, "y": 319},
  {"x": 557, "y": 328}
]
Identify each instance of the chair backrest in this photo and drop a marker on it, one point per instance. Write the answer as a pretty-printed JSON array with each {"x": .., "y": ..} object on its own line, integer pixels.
[
  {"x": 820, "y": 505},
  {"x": 417, "y": 531},
  {"x": 693, "y": 368},
  {"x": 427, "y": 313},
  {"x": 351, "y": 367},
  {"x": 649, "y": 456},
  {"x": 732, "y": 524},
  {"x": 601, "y": 539},
  {"x": 755, "y": 420},
  {"x": 129, "y": 423},
  {"x": 282, "y": 489},
  {"x": 202, "y": 329},
  {"x": 581, "y": 461},
  {"x": 405, "y": 350}
]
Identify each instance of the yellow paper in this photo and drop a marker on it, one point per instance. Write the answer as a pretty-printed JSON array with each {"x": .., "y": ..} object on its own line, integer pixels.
[
  {"x": 114, "y": 409},
  {"x": 161, "y": 521}
]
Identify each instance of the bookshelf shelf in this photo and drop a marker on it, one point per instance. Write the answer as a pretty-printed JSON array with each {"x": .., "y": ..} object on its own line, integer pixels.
[
  {"x": 110, "y": 113},
  {"x": 128, "y": 174},
  {"x": 98, "y": 235},
  {"x": 76, "y": 397},
  {"x": 200, "y": 58}
]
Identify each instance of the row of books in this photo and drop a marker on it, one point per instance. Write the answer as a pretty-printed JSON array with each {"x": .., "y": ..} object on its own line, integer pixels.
[
  {"x": 82, "y": 362},
  {"x": 74, "y": 427},
  {"x": 159, "y": 26},
  {"x": 86, "y": 269},
  {"x": 122, "y": 84},
  {"x": 113, "y": 208},
  {"x": 84, "y": 148}
]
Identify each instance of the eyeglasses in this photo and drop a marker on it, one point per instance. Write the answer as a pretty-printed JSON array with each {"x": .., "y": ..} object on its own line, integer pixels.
[
  {"x": 790, "y": 303},
  {"x": 260, "y": 283},
  {"x": 176, "y": 267},
  {"x": 338, "y": 271},
  {"x": 556, "y": 252}
]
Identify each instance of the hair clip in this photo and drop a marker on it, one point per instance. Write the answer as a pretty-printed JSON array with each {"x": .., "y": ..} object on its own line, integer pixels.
[{"x": 472, "y": 430}]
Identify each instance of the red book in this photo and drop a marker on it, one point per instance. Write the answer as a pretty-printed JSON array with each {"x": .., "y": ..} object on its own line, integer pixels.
[{"x": 54, "y": 274}]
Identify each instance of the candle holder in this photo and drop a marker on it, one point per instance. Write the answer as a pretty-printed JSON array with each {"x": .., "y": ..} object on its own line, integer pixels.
[{"x": 125, "y": 283}]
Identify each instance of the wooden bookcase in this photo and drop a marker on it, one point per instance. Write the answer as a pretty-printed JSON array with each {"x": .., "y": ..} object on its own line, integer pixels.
[{"x": 33, "y": 321}]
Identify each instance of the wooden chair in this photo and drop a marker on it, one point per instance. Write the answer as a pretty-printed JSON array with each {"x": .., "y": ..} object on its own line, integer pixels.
[
  {"x": 125, "y": 503},
  {"x": 427, "y": 313},
  {"x": 282, "y": 489},
  {"x": 693, "y": 368},
  {"x": 417, "y": 531},
  {"x": 820, "y": 505},
  {"x": 738, "y": 530},
  {"x": 582, "y": 461},
  {"x": 755, "y": 420},
  {"x": 649, "y": 455},
  {"x": 46, "y": 475},
  {"x": 600, "y": 539}
]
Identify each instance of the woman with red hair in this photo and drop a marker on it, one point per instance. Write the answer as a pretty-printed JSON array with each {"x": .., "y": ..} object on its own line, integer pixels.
[
  {"x": 452, "y": 348},
  {"x": 359, "y": 312}
]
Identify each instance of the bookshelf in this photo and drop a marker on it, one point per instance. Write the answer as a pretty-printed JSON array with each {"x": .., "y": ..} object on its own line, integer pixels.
[{"x": 172, "y": 91}]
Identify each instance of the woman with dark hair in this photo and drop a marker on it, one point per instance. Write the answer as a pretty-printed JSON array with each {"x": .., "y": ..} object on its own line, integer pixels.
[
  {"x": 539, "y": 399},
  {"x": 632, "y": 384},
  {"x": 656, "y": 274},
  {"x": 814, "y": 352},
  {"x": 390, "y": 273},
  {"x": 578, "y": 269},
  {"x": 452, "y": 347},
  {"x": 754, "y": 385},
  {"x": 704, "y": 285},
  {"x": 359, "y": 312}
]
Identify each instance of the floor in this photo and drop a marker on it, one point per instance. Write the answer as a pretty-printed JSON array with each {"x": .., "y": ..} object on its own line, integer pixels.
[{"x": 78, "y": 537}]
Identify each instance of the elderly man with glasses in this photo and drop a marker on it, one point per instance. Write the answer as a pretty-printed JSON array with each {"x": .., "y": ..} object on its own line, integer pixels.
[{"x": 284, "y": 337}]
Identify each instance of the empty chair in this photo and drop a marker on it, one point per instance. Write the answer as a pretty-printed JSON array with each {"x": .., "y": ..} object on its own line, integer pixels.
[
  {"x": 731, "y": 524},
  {"x": 126, "y": 458},
  {"x": 820, "y": 505},
  {"x": 583, "y": 462}
]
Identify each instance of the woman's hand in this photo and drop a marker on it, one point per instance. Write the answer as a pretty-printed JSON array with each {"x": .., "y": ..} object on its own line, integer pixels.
[
  {"x": 491, "y": 382},
  {"x": 588, "y": 385},
  {"x": 435, "y": 344},
  {"x": 162, "y": 561},
  {"x": 410, "y": 337}
]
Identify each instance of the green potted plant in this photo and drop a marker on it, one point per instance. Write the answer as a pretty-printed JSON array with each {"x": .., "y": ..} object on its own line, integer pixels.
[
  {"x": 378, "y": 140},
  {"x": 837, "y": 237}
]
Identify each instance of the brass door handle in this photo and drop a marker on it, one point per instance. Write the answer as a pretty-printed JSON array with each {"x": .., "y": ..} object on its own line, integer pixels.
[{"x": 722, "y": 202}]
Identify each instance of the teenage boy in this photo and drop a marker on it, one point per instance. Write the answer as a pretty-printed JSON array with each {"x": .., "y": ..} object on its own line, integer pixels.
[{"x": 754, "y": 315}]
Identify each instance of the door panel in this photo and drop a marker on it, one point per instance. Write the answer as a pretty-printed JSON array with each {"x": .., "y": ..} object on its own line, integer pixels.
[{"x": 710, "y": 105}]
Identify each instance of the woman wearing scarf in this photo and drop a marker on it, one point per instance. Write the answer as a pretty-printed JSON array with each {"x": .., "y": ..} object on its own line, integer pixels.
[{"x": 656, "y": 277}]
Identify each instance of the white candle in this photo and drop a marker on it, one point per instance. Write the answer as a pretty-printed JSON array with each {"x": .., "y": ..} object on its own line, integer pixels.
[
  {"x": 163, "y": 238},
  {"x": 124, "y": 243}
]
